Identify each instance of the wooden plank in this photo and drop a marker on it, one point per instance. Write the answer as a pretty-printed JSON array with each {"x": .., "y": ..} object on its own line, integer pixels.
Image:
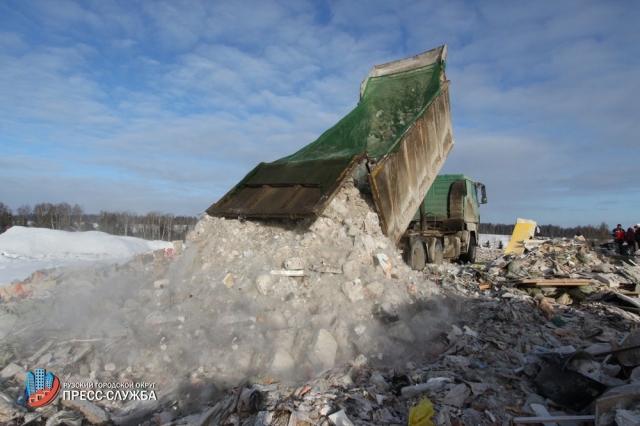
[
  {"x": 630, "y": 300},
  {"x": 554, "y": 283},
  {"x": 556, "y": 419}
]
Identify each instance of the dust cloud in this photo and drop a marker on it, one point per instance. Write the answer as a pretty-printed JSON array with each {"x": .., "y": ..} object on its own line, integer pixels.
[{"x": 248, "y": 300}]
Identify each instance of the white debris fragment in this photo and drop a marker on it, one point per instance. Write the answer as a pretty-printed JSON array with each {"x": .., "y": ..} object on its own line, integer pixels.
[
  {"x": 340, "y": 419},
  {"x": 287, "y": 272},
  {"x": 161, "y": 283}
]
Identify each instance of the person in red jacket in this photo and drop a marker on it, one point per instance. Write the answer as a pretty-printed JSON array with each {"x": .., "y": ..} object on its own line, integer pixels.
[{"x": 619, "y": 237}]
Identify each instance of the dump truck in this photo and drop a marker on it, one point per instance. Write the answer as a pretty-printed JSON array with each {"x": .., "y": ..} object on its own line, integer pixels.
[
  {"x": 446, "y": 223},
  {"x": 398, "y": 136}
]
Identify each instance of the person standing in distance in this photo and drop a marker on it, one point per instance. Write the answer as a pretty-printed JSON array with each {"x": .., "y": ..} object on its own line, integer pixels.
[{"x": 619, "y": 236}]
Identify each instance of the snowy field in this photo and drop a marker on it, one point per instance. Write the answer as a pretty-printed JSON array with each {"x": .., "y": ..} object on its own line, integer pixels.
[
  {"x": 26, "y": 250},
  {"x": 494, "y": 240}
]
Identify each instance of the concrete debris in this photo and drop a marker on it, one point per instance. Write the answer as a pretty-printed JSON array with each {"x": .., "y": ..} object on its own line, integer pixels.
[
  {"x": 276, "y": 322},
  {"x": 93, "y": 414},
  {"x": 65, "y": 418},
  {"x": 228, "y": 280}
]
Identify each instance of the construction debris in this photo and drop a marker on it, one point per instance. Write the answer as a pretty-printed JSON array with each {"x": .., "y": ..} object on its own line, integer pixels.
[{"x": 320, "y": 322}]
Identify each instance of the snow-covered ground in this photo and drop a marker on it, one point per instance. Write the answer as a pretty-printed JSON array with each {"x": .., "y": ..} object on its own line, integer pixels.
[
  {"x": 494, "y": 240},
  {"x": 26, "y": 250}
]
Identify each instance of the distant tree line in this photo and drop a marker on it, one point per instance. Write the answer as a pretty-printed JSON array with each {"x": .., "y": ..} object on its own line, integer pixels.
[
  {"x": 160, "y": 226},
  {"x": 63, "y": 216},
  {"x": 601, "y": 232}
]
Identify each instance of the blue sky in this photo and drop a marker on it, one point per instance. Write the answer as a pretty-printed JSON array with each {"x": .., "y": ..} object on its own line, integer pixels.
[{"x": 165, "y": 105}]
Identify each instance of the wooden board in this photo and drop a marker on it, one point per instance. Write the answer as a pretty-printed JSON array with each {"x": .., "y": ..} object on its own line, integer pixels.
[{"x": 554, "y": 283}]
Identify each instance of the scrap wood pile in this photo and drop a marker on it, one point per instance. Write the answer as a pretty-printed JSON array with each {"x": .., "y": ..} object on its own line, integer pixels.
[{"x": 320, "y": 322}]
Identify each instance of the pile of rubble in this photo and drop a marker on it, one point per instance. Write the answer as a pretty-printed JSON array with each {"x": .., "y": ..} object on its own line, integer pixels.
[{"x": 321, "y": 322}]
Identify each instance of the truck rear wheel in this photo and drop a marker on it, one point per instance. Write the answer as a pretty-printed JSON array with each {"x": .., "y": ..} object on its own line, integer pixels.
[
  {"x": 435, "y": 253},
  {"x": 417, "y": 258},
  {"x": 470, "y": 256}
]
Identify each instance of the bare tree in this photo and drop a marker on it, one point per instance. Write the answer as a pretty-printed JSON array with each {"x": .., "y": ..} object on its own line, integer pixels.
[
  {"x": 125, "y": 220},
  {"x": 63, "y": 214},
  {"x": 42, "y": 213},
  {"x": 127, "y": 216},
  {"x": 6, "y": 217},
  {"x": 166, "y": 226},
  {"x": 22, "y": 219},
  {"x": 76, "y": 217},
  {"x": 154, "y": 220},
  {"x": 604, "y": 232}
]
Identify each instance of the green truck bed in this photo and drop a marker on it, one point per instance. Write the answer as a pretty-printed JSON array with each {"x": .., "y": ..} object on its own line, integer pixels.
[{"x": 401, "y": 129}]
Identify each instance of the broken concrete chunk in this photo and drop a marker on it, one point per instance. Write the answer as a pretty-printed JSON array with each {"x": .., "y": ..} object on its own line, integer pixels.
[
  {"x": 353, "y": 290},
  {"x": 401, "y": 331},
  {"x": 457, "y": 396},
  {"x": 177, "y": 247},
  {"x": 11, "y": 371},
  {"x": 94, "y": 414},
  {"x": 324, "y": 350},
  {"x": 375, "y": 288},
  {"x": 351, "y": 270},
  {"x": 228, "y": 280},
  {"x": 264, "y": 283},
  {"x": 282, "y": 338},
  {"x": 65, "y": 418},
  {"x": 282, "y": 362},
  {"x": 371, "y": 222},
  {"x": 609, "y": 279},
  {"x": 294, "y": 263}
]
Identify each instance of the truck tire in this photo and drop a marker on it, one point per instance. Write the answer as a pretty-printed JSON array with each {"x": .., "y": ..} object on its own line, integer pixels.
[
  {"x": 435, "y": 253},
  {"x": 470, "y": 256},
  {"x": 417, "y": 258}
]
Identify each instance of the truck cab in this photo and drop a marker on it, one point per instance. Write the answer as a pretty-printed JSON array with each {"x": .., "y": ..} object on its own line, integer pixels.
[{"x": 447, "y": 222}]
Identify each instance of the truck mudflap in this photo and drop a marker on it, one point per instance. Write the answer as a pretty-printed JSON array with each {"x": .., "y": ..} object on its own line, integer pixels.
[
  {"x": 296, "y": 189},
  {"x": 400, "y": 180}
]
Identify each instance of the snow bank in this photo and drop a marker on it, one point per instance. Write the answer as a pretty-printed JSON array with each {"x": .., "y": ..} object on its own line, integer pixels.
[
  {"x": 494, "y": 240},
  {"x": 26, "y": 250}
]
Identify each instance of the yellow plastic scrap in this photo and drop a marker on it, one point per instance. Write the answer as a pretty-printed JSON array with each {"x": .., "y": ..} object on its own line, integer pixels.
[
  {"x": 420, "y": 415},
  {"x": 524, "y": 230}
]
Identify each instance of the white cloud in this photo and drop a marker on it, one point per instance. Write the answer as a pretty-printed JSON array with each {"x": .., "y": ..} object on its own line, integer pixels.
[{"x": 164, "y": 99}]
